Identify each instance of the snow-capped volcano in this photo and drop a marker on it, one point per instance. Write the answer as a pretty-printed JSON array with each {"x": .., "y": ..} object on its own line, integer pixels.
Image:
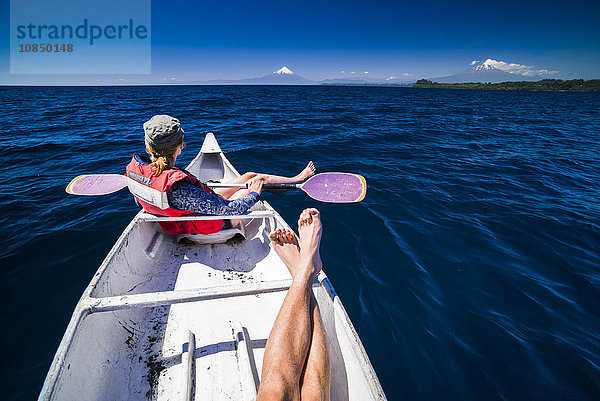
[
  {"x": 496, "y": 71},
  {"x": 283, "y": 76},
  {"x": 284, "y": 70},
  {"x": 485, "y": 66}
]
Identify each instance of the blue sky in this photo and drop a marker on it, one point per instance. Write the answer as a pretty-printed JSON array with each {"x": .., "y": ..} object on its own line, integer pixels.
[{"x": 199, "y": 40}]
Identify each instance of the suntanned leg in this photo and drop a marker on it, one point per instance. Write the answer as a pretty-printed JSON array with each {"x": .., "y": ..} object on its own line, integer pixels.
[
  {"x": 227, "y": 193},
  {"x": 315, "y": 381},
  {"x": 288, "y": 344},
  {"x": 308, "y": 171}
]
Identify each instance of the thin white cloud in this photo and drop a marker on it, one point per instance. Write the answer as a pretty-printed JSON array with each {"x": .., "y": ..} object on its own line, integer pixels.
[
  {"x": 342, "y": 72},
  {"x": 118, "y": 80},
  {"x": 474, "y": 62},
  {"x": 366, "y": 72},
  {"x": 353, "y": 72},
  {"x": 517, "y": 69},
  {"x": 390, "y": 78},
  {"x": 406, "y": 74}
]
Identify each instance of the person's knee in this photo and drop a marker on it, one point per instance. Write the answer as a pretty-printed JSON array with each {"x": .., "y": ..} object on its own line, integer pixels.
[
  {"x": 249, "y": 175},
  {"x": 276, "y": 388},
  {"x": 268, "y": 391}
]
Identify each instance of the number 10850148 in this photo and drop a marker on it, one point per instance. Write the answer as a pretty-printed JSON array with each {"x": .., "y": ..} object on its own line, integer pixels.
[{"x": 45, "y": 48}]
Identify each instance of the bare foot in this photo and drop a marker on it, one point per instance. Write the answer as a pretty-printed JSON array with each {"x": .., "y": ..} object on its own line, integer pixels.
[
  {"x": 310, "y": 230},
  {"x": 286, "y": 246},
  {"x": 308, "y": 172}
]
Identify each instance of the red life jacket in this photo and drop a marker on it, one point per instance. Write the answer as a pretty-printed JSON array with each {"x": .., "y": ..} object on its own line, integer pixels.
[{"x": 143, "y": 173}]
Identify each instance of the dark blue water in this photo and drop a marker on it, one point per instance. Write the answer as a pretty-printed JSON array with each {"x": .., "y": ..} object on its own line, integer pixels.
[{"x": 471, "y": 270}]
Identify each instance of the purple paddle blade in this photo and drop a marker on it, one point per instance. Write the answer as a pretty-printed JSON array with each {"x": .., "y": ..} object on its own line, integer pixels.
[
  {"x": 96, "y": 184},
  {"x": 336, "y": 187}
]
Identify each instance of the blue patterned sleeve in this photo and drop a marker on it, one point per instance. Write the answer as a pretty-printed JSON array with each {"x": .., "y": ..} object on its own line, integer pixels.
[{"x": 185, "y": 196}]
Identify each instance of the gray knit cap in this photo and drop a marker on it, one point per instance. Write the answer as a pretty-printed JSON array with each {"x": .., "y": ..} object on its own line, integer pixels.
[{"x": 163, "y": 131}]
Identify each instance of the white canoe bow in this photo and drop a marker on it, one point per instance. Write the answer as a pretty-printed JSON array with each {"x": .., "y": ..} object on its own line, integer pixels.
[{"x": 164, "y": 319}]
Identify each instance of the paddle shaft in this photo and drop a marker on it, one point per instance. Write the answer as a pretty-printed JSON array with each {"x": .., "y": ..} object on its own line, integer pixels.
[
  {"x": 325, "y": 187},
  {"x": 265, "y": 186}
]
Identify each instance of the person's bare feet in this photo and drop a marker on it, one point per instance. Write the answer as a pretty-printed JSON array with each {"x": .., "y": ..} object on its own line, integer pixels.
[
  {"x": 308, "y": 171},
  {"x": 310, "y": 230},
  {"x": 286, "y": 246}
]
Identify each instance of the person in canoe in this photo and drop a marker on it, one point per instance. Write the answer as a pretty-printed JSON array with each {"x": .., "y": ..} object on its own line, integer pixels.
[
  {"x": 164, "y": 140},
  {"x": 297, "y": 363}
]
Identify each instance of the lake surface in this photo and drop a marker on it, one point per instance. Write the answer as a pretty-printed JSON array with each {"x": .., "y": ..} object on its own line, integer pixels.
[{"x": 471, "y": 270}]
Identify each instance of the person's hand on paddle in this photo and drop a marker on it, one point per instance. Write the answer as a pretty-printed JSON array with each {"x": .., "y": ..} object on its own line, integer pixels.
[{"x": 255, "y": 186}]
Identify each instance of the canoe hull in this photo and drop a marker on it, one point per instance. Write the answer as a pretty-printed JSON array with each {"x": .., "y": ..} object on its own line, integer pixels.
[{"x": 129, "y": 336}]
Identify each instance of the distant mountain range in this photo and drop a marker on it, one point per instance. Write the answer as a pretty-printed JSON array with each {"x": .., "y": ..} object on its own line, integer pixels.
[
  {"x": 495, "y": 71},
  {"x": 480, "y": 71},
  {"x": 285, "y": 76}
]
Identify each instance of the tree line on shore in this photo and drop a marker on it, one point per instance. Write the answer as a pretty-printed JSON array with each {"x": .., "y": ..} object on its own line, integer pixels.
[{"x": 580, "y": 85}]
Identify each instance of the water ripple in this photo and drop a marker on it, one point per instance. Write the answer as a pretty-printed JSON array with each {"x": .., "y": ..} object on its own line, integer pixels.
[{"x": 470, "y": 270}]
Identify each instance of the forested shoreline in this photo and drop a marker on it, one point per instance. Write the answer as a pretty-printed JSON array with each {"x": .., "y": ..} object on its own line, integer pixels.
[{"x": 579, "y": 85}]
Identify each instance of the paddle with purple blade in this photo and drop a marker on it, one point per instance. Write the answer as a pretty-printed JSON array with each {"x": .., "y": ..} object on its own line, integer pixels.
[
  {"x": 335, "y": 187},
  {"x": 96, "y": 184},
  {"x": 330, "y": 187},
  {"x": 324, "y": 187}
]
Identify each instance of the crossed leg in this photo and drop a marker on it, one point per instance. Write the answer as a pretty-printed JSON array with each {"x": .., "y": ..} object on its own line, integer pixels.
[
  {"x": 234, "y": 193},
  {"x": 297, "y": 362}
]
